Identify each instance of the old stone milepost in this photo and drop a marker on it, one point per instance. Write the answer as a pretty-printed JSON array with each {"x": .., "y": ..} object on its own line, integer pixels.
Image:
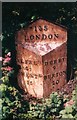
[{"x": 42, "y": 57}]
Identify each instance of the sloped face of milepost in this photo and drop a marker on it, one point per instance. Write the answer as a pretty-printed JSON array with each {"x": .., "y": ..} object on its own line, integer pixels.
[{"x": 42, "y": 57}]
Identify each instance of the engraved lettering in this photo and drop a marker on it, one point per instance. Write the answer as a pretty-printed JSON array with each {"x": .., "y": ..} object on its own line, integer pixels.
[
  {"x": 22, "y": 61},
  {"x": 55, "y": 61},
  {"x": 45, "y": 77},
  {"x": 26, "y": 68},
  {"x": 22, "y": 73},
  {"x": 35, "y": 28},
  {"x": 45, "y": 28},
  {"x": 57, "y": 81},
  {"x": 60, "y": 73},
  {"x": 31, "y": 37},
  {"x": 54, "y": 67},
  {"x": 35, "y": 76},
  {"x": 64, "y": 72},
  {"x": 35, "y": 62},
  {"x": 40, "y": 28},
  {"x": 63, "y": 59},
  {"x": 45, "y": 63},
  {"x": 30, "y": 62},
  {"x": 49, "y": 76},
  {"x": 31, "y": 75},
  {"x": 56, "y": 74},
  {"x": 26, "y": 61},
  {"x": 30, "y": 82},
  {"x": 56, "y": 35},
  {"x": 27, "y": 75},
  {"x": 44, "y": 36},
  {"x": 59, "y": 60},
  {"x": 50, "y": 36},
  {"x": 37, "y": 37},
  {"x": 40, "y": 75},
  {"x": 30, "y": 69},
  {"x": 51, "y": 62},
  {"x": 53, "y": 82},
  {"x": 26, "y": 38},
  {"x": 53, "y": 75}
]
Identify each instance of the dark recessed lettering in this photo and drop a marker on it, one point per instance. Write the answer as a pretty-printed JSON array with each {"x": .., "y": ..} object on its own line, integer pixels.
[
  {"x": 58, "y": 89},
  {"x": 37, "y": 37},
  {"x": 28, "y": 82},
  {"x": 35, "y": 62},
  {"x": 45, "y": 28},
  {"x": 40, "y": 28},
  {"x": 26, "y": 61},
  {"x": 22, "y": 73},
  {"x": 30, "y": 69},
  {"x": 53, "y": 75},
  {"x": 63, "y": 59},
  {"x": 60, "y": 73},
  {"x": 56, "y": 74},
  {"x": 35, "y": 28},
  {"x": 35, "y": 76},
  {"x": 56, "y": 35},
  {"x": 26, "y": 38},
  {"x": 54, "y": 67},
  {"x": 22, "y": 61},
  {"x": 51, "y": 62},
  {"x": 27, "y": 75},
  {"x": 50, "y": 36},
  {"x": 26, "y": 68},
  {"x": 64, "y": 72},
  {"x": 55, "y": 61},
  {"x": 45, "y": 77},
  {"x": 40, "y": 75},
  {"x": 31, "y": 37},
  {"x": 31, "y": 75},
  {"x": 44, "y": 36},
  {"x": 45, "y": 63},
  {"x": 57, "y": 81},
  {"x": 30, "y": 62},
  {"x": 59, "y": 60},
  {"x": 49, "y": 76},
  {"x": 53, "y": 82}
]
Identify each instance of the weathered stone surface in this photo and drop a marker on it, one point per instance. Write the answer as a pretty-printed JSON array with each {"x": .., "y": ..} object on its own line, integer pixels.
[{"x": 42, "y": 57}]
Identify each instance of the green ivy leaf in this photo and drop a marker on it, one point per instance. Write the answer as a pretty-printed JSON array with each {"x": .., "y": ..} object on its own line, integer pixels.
[
  {"x": 67, "y": 116},
  {"x": 62, "y": 112},
  {"x": 3, "y": 87},
  {"x": 33, "y": 17},
  {"x": 1, "y": 101},
  {"x": 6, "y": 109},
  {"x": 68, "y": 109},
  {"x": 75, "y": 116},
  {"x": 70, "y": 116},
  {"x": 6, "y": 79},
  {"x": 6, "y": 51}
]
